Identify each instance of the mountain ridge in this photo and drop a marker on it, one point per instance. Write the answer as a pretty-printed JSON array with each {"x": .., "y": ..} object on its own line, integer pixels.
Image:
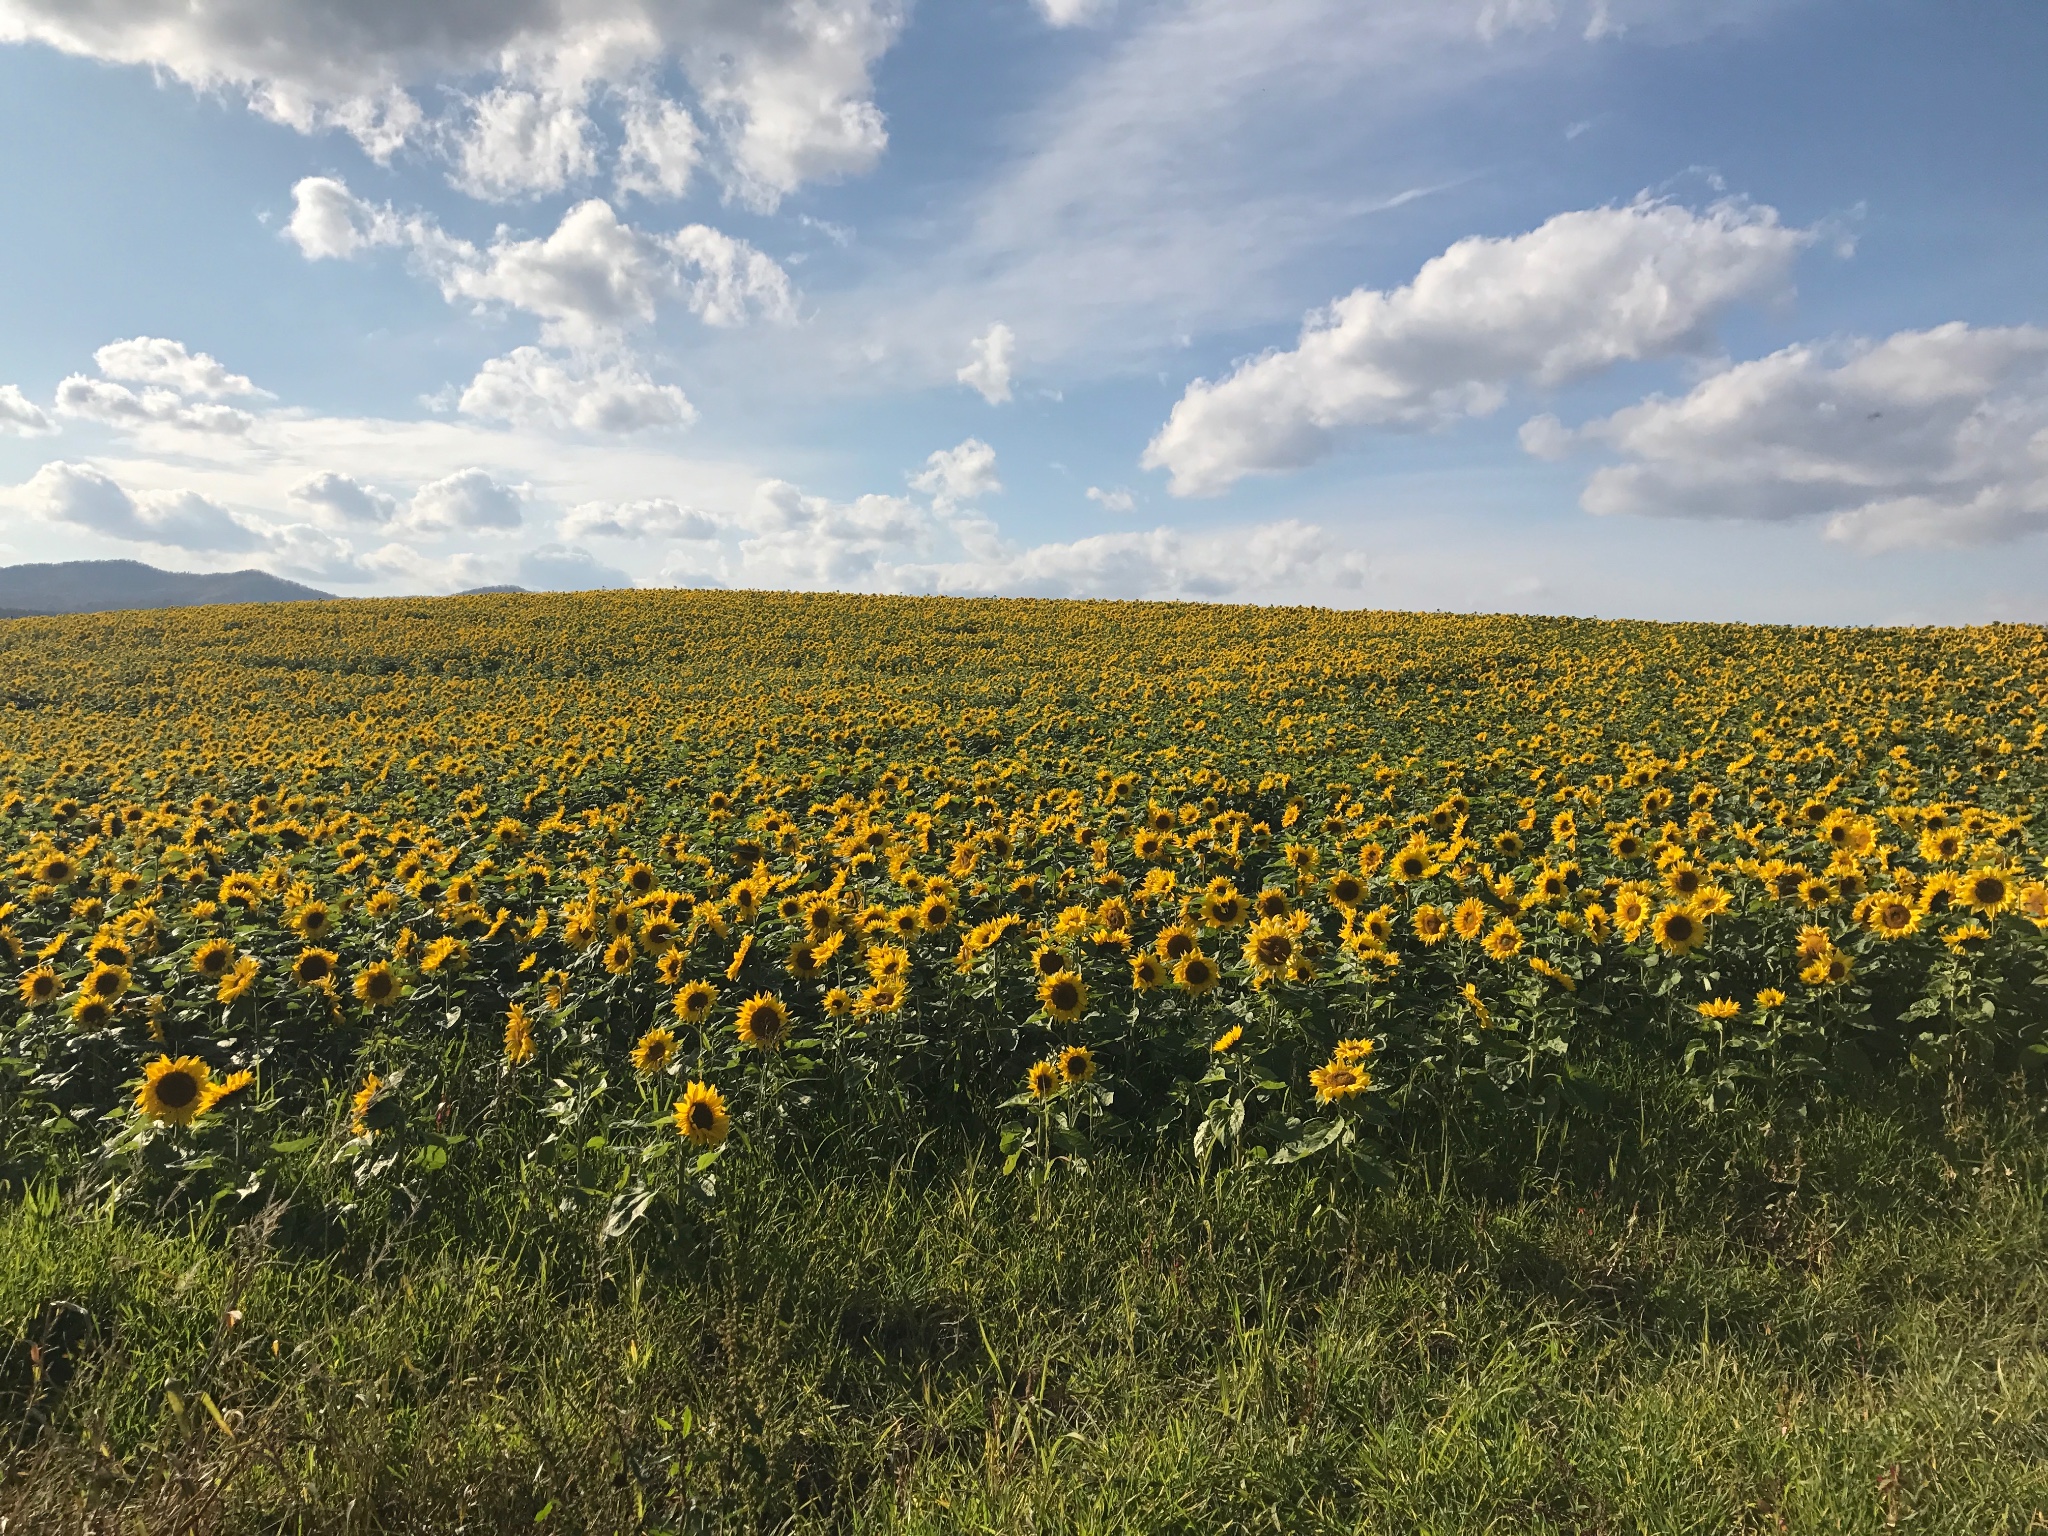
[{"x": 108, "y": 586}]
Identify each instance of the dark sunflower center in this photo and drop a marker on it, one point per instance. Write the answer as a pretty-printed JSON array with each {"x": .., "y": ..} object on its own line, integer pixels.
[
  {"x": 701, "y": 1117},
  {"x": 1063, "y": 995},
  {"x": 174, "y": 1090},
  {"x": 1680, "y": 928}
]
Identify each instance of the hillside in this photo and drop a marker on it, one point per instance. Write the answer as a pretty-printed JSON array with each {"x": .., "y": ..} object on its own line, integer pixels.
[{"x": 99, "y": 586}]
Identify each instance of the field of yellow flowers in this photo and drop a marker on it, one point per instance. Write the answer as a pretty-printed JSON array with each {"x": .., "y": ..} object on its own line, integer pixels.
[{"x": 604, "y": 899}]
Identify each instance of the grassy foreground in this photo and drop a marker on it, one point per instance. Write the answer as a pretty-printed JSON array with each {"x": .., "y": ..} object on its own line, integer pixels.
[{"x": 1715, "y": 1325}]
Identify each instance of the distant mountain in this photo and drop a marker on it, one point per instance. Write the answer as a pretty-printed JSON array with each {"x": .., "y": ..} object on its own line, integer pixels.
[
  {"x": 496, "y": 591},
  {"x": 99, "y": 586}
]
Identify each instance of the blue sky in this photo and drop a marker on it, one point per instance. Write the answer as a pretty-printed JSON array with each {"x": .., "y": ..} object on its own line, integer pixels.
[{"x": 1636, "y": 308}]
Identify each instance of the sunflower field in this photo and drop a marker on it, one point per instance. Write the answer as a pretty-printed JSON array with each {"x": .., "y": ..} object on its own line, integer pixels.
[{"x": 619, "y": 906}]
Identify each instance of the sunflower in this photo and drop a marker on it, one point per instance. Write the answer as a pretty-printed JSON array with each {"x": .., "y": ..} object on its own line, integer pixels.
[
  {"x": 1469, "y": 920},
  {"x": 1196, "y": 974},
  {"x": 1224, "y": 909},
  {"x": 1827, "y": 970},
  {"x": 314, "y": 966},
  {"x": 700, "y": 1115},
  {"x": 105, "y": 982},
  {"x": 739, "y": 957},
  {"x": 56, "y": 869},
  {"x": 658, "y": 934},
  {"x": 1503, "y": 940},
  {"x": 1890, "y": 916},
  {"x": 444, "y": 954},
  {"x": 1345, "y": 890},
  {"x": 618, "y": 956},
  {"x": 1430, "y": 924},
  {"x": 657, "y": 1048},
  {"x": 1988, "y": 892},
  {"x": 1627, "y": 845},
  {"x": 889, "y": 962},
  {"x": 1678, "y": 929},
  {"x": 1816, "y": 892},
  {"x": 174, "y": 1092},
  {"x": 1768, "y": 998},
  {"x": 377, "y": 985},
  {"x": 1941, "y": 845},
  {"x": 884, "y": 998},
  {"x": 39, "y": 986},
  {"x": 1478, "y": 1006},
  {"x": 763, "y": 1022},
  {"x": 1227, "y": 1042},
  {"x": 1412, "y": 862},
  {"x": 312, "y": 921},
  {"x": 1351, "y": 1052},
  {"x": 233, "y": 1086},
  {"x": 694, "y": 1002},
  {"x": 1719, "y": 1010},
  {"x": 519, "y": 1046},
  {"x": 1175, "y": 943},
  {"x": 1146, "y": 972},
  {"x": 381, "y": 904},
  {"x": 802, "y": 961},
  {"x": 934, "y": 914},
  {"x": 1077, "y": 1064},
  {"x": 1338, "y": 1081},
  {"x": 366, "y": 1099},
  {"x": 213, "y": 959},
  {"x": 91, "y": 1012},
  {"x": 107, "y": 949},
  {"x": 638, "y": 878},
  {"x": 1268, "y": 949},
  {"x": 838, "y": 1003},
  {"x": 1043, "y": 1080},
  {"x": 239, "y": 981},
  {"x": 1063, "y": 996}
]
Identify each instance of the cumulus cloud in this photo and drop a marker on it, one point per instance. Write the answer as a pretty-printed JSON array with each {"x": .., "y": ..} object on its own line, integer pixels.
[
  {"x": 1073, "y": 13},
  {"x": 786, "y": 83},
  {"x": 563, "y": 568},
  {"x": 590, "y": 280},
  {"x": 521, "y": 143},
  {"x": 467, "y": 501},
  {"x": 85, "y": 497},
  {"x": 953, "y": 476},
  {"x": 341, "y": 501},
  {"x": 21, "y": 416},
  {"x": 532, "y": 387},
  {"x": 661, "y": 148},
  {"x": 987, "y": 371},
  {"x": 166, "y": 364},
  {"x": 1111, "y": 501},
  {"x": 658, "y": 518},
  {"x": 116, "y": 405},
  {"x": 1584, "y": 291},
  {"x": 1928, "y": 437}
]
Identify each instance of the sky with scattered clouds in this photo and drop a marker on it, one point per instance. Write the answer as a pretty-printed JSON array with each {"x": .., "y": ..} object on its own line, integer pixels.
[{"x": 1656, "y": 308}]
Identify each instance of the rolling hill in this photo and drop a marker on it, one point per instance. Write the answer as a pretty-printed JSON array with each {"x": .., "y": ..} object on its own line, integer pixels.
[{"x": 98, "y": 586}]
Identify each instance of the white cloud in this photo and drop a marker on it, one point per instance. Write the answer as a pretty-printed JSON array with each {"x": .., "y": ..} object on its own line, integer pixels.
[
  {"x": 592, "y": 279},
  {"x": 952, "y": 476},
  {"x": 1111, "y": 501},
  {"x": 661, "y": 149},
  {"x": 536, "y": 388},
  {"x": 86, "y": 498},
  {"x": 156, "y": 360},
  {"x": 520, "y": 143},
  {"x": 561, "y": 568},
  {"x": 788, "y": 83},
  {"x": 1073, "y": 13},
  {"x": 469, "y": 499},
  {"x": 303, "y": 551},
  {"x": 341, "y": 501},
  {"x": 657, "y": 518},
  {"x": 21, "y": 416},
  {"x": 987, "y": 370},
  {"x": 1928, "y": 437},
  {"x": 117, "y": 405},
  {"x": 1582, "y": 292}
]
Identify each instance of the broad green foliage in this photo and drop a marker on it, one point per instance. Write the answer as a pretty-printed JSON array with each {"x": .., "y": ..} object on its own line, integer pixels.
[{"x": 605, "y": 889}]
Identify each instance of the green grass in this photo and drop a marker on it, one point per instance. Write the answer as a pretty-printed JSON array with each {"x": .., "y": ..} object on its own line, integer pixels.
[{"x": 1725, "y": 1325}]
